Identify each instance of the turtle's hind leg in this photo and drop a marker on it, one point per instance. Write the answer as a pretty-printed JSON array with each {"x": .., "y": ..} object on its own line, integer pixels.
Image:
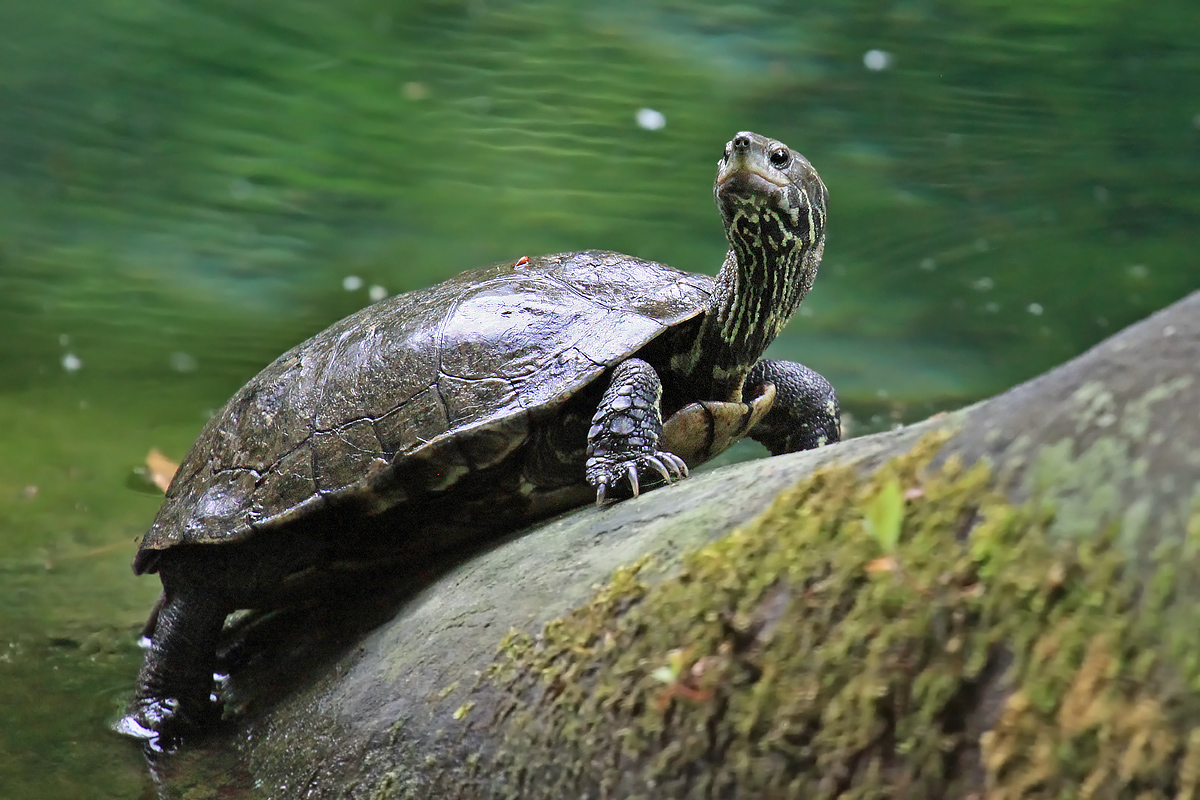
[{"x": 175, "y": 685}]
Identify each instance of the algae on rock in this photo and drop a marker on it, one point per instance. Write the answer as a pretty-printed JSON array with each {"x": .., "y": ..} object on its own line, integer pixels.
[{"x": 794, "y": 658}]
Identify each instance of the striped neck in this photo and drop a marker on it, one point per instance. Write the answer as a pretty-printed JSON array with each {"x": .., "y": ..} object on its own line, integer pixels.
[
  {"x": 758, "y": 289},
  {"x": 775, "y": 223}
]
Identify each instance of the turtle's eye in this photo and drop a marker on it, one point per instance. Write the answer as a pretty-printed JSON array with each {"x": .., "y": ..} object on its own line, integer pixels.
[
  {"x": 726, "y": 156},
  {"x": 781, "y": 157}
]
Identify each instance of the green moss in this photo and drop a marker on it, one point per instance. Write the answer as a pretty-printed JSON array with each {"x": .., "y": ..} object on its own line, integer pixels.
[
  {"x": 796, "y": 658},
  {"x": 387, "y": 787}
]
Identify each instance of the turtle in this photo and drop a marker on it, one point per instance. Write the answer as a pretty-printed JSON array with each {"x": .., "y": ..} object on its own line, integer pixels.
[{"x": 441, "y": 417}]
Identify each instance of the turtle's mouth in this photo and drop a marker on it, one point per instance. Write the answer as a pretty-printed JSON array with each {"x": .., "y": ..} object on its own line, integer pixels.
[
  {"x": 748, "y": 182},
  {"x": 747, "y": 169},
  {"x": 749, "y": 185}
]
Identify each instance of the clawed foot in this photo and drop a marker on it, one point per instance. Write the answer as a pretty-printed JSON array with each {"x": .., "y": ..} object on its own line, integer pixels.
[{"x": 602, "y": 474}]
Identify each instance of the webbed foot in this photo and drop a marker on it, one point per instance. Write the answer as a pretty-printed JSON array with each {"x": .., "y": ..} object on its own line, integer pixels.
[{"x": 162, "y": 723}]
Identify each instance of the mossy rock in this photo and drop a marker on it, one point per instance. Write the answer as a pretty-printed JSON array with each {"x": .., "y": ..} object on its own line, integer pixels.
[{"x": 1002, "y": 601}]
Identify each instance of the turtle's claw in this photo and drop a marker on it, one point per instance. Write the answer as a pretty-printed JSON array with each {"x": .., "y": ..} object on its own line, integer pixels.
[
  {"x": 606, "y": 476},
  {"x": 678, "y": 465},
  {"x": 659, "y": 465}
]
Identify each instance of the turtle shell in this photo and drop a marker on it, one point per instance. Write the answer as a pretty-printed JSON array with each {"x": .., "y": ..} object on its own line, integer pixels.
[{"x": 456, "y": 376}]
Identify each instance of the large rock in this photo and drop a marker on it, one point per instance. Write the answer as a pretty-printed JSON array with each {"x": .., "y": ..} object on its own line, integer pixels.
[{"x": 440, "y": 700}]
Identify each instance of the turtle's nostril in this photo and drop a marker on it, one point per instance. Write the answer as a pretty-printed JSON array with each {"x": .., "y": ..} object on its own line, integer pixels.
[{"x": 741, "y": 142}]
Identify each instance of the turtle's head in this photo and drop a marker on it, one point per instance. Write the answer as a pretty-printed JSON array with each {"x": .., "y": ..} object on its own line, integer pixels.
[
  {"x": 771, "y": 199},
  {"x": 773, "y": 204}
]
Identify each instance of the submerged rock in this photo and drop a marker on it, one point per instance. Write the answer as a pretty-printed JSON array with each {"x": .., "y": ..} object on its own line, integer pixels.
[{"x": 886, "y": 615}]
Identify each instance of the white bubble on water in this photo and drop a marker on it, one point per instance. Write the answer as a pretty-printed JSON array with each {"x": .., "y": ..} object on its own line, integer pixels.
[
  {"x": 650, "y": 120},
  {"x": 876, "y": 60}
]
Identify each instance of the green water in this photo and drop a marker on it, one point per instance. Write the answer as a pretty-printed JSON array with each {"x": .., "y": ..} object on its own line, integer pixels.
[{"x": 186, "y": 187}]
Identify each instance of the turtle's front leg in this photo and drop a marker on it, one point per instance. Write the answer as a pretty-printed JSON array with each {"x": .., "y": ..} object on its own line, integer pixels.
[
  {"x": 805, "y": 413},
  {"x": 623, "y": 440}
]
